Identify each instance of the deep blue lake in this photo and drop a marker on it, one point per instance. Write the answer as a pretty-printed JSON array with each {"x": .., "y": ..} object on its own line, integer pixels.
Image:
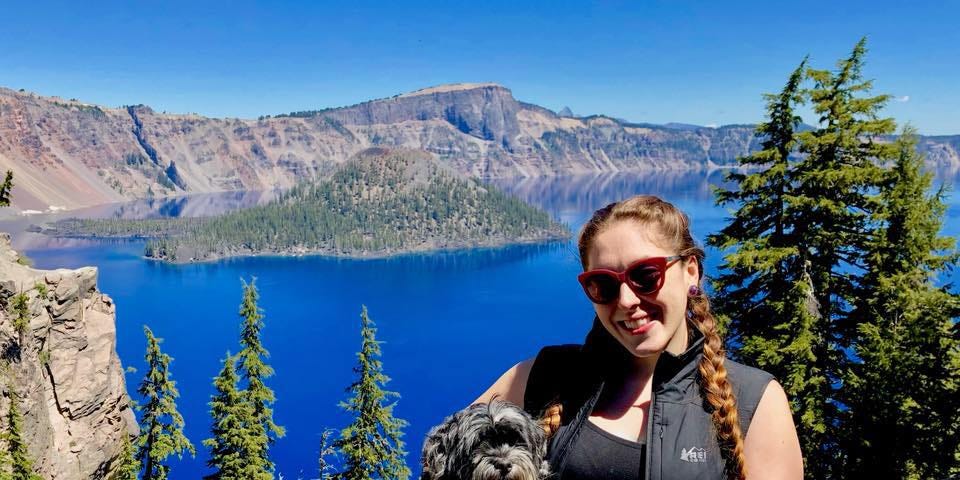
[{"x": 450, "y": 322}]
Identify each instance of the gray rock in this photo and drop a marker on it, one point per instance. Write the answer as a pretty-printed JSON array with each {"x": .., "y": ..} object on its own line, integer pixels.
[{"x": 65, "y": 370}]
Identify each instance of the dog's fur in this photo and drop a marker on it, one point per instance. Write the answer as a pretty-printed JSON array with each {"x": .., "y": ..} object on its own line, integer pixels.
[{"x": 495, "y": 441}]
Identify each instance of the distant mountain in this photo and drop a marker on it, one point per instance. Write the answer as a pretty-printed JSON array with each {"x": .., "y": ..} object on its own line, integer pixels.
[
  {"x": 71, "y": 154},
  {"x": 683, "y": 126}
]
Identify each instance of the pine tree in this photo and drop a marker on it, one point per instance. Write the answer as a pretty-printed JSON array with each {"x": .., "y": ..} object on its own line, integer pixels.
[
  {"x": 897, "y": 426},
  {"x": 19, "y": 457},
  {"x": 162, "y": 433},
  {"x": 764, "y": 290},
  {"x": 371, "y": 443},
  {"x": 831, "y": 210},
  {"x": 253, "y": 370},
  {"x": 232, "y": 417},
  {"x": 129, "y": 468},
  {"x": 6, "y": 189},
  {"x": 21, "y": 315}
]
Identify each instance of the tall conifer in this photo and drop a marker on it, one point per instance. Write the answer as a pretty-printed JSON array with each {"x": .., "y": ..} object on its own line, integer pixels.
[
  {"x": 129, "y": 468},
  {"x": 834, "y": 197},
  {"x": 232, "y": 420},
  {"x": 371, "y": 443},
  {"x": 162, "y": 425},
  {"x": 765, "y": 290},
  {"x": 903, "y": 417},
  {"x": 6, "y": 188},
  {"x": 253, "y": 371},
  {"x": 19, "y": 458}
]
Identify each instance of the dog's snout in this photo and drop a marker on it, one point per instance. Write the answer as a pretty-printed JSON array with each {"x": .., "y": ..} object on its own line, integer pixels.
[{"x": 503, "y": 466}]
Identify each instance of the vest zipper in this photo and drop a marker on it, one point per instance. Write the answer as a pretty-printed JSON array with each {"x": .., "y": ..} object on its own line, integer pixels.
[{"x": 649, "y": 447}]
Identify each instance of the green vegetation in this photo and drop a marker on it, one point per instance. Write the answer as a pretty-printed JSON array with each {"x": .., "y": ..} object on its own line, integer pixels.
[
  {"x": 381, "y": 203},
  {"x": 828, "y": 282},
  {"x": 92, "y": 110},
  {"x": 129, "y": 465},
  {"x": 20, "y": 465},
  {"x": 253, "y": 371},
  {"x": 243, "y": 427},
  {"x": 231, "y": 419},
  {"x": 895, "y": 426},
  {"x": 371, "y": 444},
  {"x": 6, "y": 188},
  {"x": 161, "y": 423},
  {"x": 41, "y": 289}
]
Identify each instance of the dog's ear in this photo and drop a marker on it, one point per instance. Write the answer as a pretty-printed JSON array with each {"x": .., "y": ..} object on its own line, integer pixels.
[{"x": 434, "y": 454}]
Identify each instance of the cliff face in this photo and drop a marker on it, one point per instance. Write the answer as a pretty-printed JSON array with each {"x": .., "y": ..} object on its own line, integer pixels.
[
  {"x": 70, "y": 154},
  {"x": 64, "y": 369}
]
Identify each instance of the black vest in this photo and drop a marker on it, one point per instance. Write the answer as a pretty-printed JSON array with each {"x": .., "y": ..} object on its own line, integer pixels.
[{"x": 681, "y": 439}]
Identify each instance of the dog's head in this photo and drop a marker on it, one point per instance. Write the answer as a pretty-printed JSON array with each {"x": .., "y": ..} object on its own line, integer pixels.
[{"x": 495, "y": 441}]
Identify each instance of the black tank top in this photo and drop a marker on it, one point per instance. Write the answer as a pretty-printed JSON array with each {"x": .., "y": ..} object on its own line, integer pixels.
[{"x": 597, "y": 453}]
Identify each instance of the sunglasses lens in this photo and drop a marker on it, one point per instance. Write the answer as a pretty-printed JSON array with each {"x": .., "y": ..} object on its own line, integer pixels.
[
  {"x": 601, "y": 288},
  {"x": 645, "y": 278}
]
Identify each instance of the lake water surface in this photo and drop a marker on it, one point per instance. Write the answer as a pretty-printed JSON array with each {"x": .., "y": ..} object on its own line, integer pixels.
[{"x": 451, "y": 322}]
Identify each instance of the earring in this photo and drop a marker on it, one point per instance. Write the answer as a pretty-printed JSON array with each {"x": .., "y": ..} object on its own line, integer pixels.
[{"x": 694, "y": 291}]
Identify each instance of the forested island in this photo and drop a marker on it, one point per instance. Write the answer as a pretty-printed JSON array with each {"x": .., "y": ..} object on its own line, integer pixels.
[{"x": 380, "y": 203}]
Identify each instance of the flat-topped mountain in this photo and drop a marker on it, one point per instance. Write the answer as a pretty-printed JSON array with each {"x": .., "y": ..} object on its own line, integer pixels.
[
  {"x": 71, "y": 154},
  {"x": 381, "y": 202}
]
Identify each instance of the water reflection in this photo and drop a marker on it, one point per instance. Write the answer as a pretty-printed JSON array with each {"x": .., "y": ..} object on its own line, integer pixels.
[
  {"x": 561, "y": 195},
  {"x": 199, "y": 205},
  {"x": 588, "y": 192}
]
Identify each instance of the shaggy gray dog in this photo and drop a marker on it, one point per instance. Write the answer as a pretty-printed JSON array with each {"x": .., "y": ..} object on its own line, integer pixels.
[{"x": 495, "y": 441}]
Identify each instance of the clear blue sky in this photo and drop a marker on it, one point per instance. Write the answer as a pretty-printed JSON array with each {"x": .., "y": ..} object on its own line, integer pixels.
[{"x": 704, "y": 62}]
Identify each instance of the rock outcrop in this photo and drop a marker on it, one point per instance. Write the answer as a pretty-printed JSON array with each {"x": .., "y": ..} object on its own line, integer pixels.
[
  {"x": 64, "y": 369},
  {"x": 70, "y": 154}
]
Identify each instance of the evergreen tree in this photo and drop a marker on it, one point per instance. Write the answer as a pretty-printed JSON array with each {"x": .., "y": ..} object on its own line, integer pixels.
[
  {"x": 371, "y": 443},
  {"x": 19, "y": 457},
  {"x": 253, "y": 370},
  {"x": 765, "y": 291},
  {"x": 831, "y": 209},
  {"x": 129, "y": 468},
  {"x": 897, "y": 426},
  {"x": 232, "y": 417},
  {"x": 162, "y": 424},
  {"x": 5, "y": 189},
  {"x": 21, "y": 315}
]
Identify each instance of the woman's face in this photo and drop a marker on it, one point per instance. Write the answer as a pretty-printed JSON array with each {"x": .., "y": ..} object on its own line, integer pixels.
[{"x": 615, "y": 248}]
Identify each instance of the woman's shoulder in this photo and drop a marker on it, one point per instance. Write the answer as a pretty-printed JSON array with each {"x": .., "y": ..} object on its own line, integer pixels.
[
  {"x": 511, "y": 385},
  {"x": 745, "y": 374},
  {"x": 749, "y": 384}
]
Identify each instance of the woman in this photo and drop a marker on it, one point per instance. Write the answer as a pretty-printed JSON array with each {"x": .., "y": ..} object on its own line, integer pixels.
[{"x": 649, "y": 394}]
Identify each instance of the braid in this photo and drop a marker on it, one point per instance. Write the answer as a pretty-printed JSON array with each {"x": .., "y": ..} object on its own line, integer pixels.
[
  {"x": 717, "y": 389},
  {"x": 550, "y": 420}
]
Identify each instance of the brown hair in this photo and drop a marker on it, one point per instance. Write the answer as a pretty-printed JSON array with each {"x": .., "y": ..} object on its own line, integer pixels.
[{"x": 674, "y": 228}]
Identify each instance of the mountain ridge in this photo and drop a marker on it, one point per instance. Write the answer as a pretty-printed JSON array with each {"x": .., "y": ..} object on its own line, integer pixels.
[{"x": 70, "y": 154}]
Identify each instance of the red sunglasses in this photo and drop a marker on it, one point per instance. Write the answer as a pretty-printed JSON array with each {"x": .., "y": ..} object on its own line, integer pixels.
[{"x": 644, "y": 277}]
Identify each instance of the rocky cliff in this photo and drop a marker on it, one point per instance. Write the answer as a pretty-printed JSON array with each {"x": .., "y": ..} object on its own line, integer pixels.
[
  {"x": 70, "y": 154},
  {"x": 64, "y": 369}
]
